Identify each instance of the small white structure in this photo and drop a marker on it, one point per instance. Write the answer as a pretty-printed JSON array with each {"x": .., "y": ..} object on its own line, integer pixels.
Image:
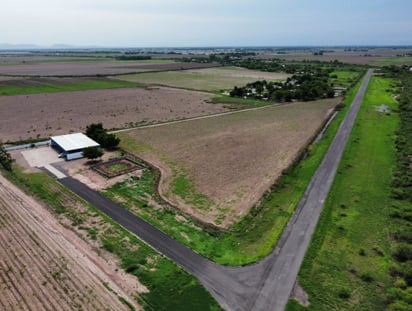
[{"x": 71, "y": 146}]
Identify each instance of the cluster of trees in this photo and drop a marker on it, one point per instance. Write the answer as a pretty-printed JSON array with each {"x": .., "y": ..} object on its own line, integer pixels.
[
  {"x": 133, "y": 57},
  {"x": 400, "y": 295},
  {"x": 305, "y": 87},
  {"x": 98, "y": 133},
  {"x": 5, "y": 158},
  {"x": 279, "y": 65}
]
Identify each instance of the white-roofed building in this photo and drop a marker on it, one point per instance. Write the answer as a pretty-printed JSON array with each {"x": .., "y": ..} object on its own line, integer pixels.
[{"x": 71, "y": 146}]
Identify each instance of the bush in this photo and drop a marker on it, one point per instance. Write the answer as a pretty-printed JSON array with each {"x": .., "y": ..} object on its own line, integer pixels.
[{"x": 403, "y": 252}]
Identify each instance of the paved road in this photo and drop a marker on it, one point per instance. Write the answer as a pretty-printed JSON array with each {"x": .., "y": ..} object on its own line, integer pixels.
[{"x": 267, "y": 284}]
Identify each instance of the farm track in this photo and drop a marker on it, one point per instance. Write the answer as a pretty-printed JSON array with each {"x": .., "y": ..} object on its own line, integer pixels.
[
  {"x": 39, "y": 269},
  {"x": 266, "y": 285}
]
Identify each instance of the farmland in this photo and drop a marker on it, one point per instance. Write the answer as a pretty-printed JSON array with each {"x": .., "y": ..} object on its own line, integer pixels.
[
  {"x": 218, "y": 171},
  {"x": 41, "y": 115},
  {"x": 210, "y": 79},
  {"x": 92, "y": 68},
  {"x": 44, "y": 266}
]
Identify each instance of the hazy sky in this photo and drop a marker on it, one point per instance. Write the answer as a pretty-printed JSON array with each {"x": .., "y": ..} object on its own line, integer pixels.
[{"x": 153, "y": 23}]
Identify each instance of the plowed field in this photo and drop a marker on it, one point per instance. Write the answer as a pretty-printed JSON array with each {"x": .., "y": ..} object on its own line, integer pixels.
[
  {"x": 216, "y": 168},
  {"x": 42, "y": 115},
  {"x": 43, "y": 266}
]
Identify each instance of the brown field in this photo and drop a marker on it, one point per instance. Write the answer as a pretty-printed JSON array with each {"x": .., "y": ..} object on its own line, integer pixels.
[
  {"x": 101, "y": 68},
  {"x": 216, "y": 168},
  {"x": 44, "y": 266},
  {"x": 42, "y": 115},
  {"x": 360, "y": 57}
]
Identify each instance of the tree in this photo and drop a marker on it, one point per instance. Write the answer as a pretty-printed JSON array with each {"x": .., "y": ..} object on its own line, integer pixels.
[
  {"x": 97, "y": 132},
  {"x": 5, "y": 158},
  {"x": 110, "y": 141},
  {"x": 93, "y": 152}
]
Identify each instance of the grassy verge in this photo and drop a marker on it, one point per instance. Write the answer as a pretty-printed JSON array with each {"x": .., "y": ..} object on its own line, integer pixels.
[
  {"x": 249, "y": 240},
  {"x": 346, "y": 265},
  {"x": 18, "y": 87},
  {"x": 171, "y": 288}
]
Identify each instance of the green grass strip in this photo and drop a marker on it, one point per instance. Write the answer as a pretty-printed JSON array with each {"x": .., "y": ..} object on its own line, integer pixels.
[{"x": 346, "y": 265}]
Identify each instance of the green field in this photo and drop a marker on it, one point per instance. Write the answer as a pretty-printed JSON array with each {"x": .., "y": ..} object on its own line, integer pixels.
[
  {"x": 346, "y": 267},
  {"x": 45, "y": 85},
  {"x": 211, "y": 79},
  {"x": 394, "y": 60},
  {"x": 344, "y": 78},
  {"x": 160, "y": 275}
]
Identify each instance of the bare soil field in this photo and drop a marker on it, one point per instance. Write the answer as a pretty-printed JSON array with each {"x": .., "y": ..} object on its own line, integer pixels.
[
  {"x": 44, "y": 266},
  {"x": 101, "y": 68},
  {"x": 208, "y": 79},
  {"x": 42, "y": 115},
  {"x": 362, "y": 56},
  {"x": 217, "y": 168}
]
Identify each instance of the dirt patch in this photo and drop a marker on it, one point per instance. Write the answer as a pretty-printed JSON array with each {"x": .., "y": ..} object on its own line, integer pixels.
[
  {"x": 44, "y": 266},
  {"x": 231, "y": 159},
  {"x": 300, "y": 295},
  {"x": 43, "y": 115}
]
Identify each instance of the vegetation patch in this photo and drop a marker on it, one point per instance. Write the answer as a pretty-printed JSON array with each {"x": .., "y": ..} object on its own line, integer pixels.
[
  {"x": 54, "y": 85},
  {"x": 116, "y": 167}
]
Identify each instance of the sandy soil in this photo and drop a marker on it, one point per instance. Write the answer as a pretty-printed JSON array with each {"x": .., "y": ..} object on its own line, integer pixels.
[
  {"x": 42, "y": 115},
  {"x": 44, "y": 266},
  {"x": 92, "y": 68},
  {"x": 233, "y": 159}
]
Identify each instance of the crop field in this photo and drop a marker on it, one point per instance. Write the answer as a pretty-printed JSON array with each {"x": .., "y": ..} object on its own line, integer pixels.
[
  {"x": 394, "y": 60},
  {"x": 210, "y": 79},
  {"x": 216, "y": 168},
  {"x": 42, "y": 115},
  {"x": 44, "y": 266},
  {"x": 18, "y": 86},
  {"x": 93, "y": 68},
  {"x": 347, "y": 264}
]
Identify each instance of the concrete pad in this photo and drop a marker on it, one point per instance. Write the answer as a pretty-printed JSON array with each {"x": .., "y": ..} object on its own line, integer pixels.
[
  {"x": 40, "y": 157},
  {"x": 54, "y": 171}
]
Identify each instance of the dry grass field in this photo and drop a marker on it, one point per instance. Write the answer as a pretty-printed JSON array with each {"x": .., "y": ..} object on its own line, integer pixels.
[
  {"x": 208, "y": 79},
  {"x": 44, "y": 266},
  {"x": 42, "y": 115},
  {"x": 92, "y": 68},
  {"x": 216, "y": 168}
]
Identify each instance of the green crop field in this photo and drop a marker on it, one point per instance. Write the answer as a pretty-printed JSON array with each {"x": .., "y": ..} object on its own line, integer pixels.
[
  {"x": 211, "y": 79},
  {"x": 346, "y": 267},
  {"x": 54, "y": 85},
  {"x": 395, "y": 60}
]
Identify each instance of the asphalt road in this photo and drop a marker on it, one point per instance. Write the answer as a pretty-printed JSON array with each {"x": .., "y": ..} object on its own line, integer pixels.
[{"x": 265, "y": 285}]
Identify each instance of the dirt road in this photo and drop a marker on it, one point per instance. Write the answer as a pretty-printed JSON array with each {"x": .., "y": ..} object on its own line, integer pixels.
[
  {"x": 266, "y": 285},
  {"x": 44, "y": 266}
]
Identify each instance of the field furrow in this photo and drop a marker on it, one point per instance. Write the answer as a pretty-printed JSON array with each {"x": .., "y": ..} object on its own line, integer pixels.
[{"x": 40, "y": 268}]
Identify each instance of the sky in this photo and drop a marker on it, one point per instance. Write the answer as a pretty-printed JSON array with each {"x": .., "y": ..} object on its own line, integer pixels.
[{"x": 200, "y": 23}]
